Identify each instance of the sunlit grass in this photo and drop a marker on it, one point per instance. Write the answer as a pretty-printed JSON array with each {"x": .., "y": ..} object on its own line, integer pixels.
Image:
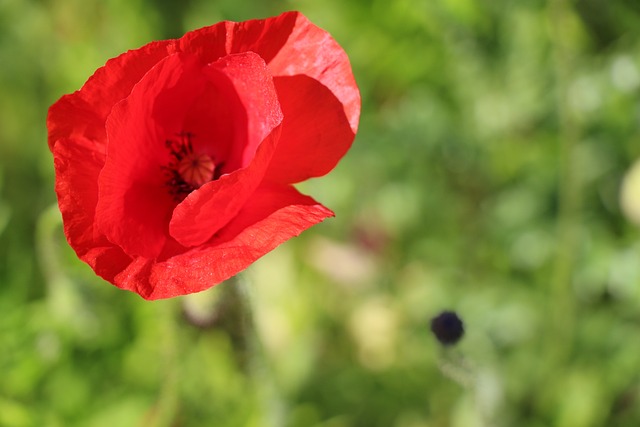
[{"x": 485, "y": 178}]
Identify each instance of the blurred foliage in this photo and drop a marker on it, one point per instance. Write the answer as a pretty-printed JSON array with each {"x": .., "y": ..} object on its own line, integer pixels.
[{"x": 485, "y": 178}]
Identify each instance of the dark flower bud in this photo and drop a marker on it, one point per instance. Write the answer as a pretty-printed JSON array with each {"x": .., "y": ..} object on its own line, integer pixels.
[{"x": 447, "y": 327}]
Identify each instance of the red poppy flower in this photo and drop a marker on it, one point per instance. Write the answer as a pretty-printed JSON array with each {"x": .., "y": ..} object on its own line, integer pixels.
[{"x": 175, "y": 162}]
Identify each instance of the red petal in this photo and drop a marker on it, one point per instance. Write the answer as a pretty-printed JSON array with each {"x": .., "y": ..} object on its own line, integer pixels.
[
  {"x": 315, "y": 131},
  {"x": 291, "y": 45},
  {"x": 107, "y": 261},
  {"x": 84, "y": 112},
  {"x": 272, "y": 216},
  {"x": 262, "y": 36},
  {"x": 208, "y": 209},
  {"x": 311, "y": 51},
  {"x": 77, "y": 189},
  {"x": 134, "y": 204}
]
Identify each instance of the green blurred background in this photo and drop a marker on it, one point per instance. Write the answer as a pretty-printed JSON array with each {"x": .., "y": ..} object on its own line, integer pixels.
[{"x": 485, "y": 178}]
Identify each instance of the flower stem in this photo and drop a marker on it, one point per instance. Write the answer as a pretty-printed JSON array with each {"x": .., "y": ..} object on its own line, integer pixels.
[
  {"x": 260, "y": 370},
  {"x": 64, "y": 302},
  {"x": 168, "y": 398},
  {"x": 481, "y": 384},
  {"x": 163, "y": 413},
  {"x": 561, "y": 303}
]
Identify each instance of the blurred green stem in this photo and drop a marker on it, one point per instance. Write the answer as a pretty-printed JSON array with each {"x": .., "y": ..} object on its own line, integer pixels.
[
  {"x": 64, "y": 302},
  {"x": 260, "y": 370},
  {"x": 49, "y": 222},
  {"x": 167, "y": 403},
  {"x": 561, "y": 304}
]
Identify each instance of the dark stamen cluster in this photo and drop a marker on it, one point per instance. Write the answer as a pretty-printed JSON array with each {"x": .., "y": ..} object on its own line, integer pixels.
[{"x": 178, "y": 149}]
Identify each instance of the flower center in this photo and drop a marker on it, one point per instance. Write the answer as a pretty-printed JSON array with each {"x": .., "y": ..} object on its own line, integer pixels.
[
  {"x": 196, "y": 169},
  {"x": 187, "y": 171}
]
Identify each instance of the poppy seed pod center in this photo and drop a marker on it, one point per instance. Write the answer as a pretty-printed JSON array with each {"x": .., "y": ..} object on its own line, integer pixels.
[
  {"x": 196, "y": 169},
  {"x": 187, "y": 170}
]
